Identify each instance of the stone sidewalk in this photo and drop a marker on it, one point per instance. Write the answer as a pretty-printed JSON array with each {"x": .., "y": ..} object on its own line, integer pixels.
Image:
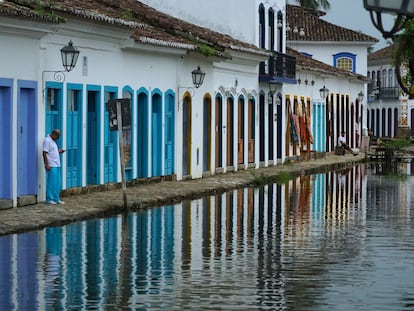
[{"x": 105, "y": 203}]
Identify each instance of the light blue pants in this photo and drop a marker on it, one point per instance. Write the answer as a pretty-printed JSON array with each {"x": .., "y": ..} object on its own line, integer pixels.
[{"x": 53, "y": 185}]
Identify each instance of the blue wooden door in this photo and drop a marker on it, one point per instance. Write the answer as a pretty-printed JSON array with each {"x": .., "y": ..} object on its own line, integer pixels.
[
  {"x": 110, "y": 142},
  {"x": 26, "y": 139},
  {"x": 169, "y": 135},
  {"x": 6, "y": 138},
  {"x": 156, "y": 142},
  {"x": 92, "y": 140},
  {"x": 142, "y": 135},
  {"x": 74, "y": 137},
  {"x": 53, "y": 106}
]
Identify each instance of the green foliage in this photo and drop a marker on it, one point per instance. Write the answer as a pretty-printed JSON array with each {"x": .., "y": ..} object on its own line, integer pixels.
[
  {"x": 205, "y": 50},
  {"x": 283, "y": 178},
  {"x": 260, "y": 180},
  {"x": 396, "y": 145},
  {"x": 127, "y": 14}
]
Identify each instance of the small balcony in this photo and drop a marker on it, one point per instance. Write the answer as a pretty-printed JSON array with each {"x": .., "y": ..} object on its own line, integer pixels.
[
  {"x": 389, "y": 93},
  {"x": 375, "y": 92},
  {"x": 280, "y": 67}
]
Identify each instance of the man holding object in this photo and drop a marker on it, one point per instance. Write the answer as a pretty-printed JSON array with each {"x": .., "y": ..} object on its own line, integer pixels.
[
  {"x": 51, "y": 158},
  {"x": 342, "y": 143}
]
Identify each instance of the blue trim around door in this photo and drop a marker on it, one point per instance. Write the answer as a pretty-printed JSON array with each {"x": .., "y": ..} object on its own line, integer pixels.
[
  {"x": 156, "y": 134},
  {"x": 27, "y": 150},
  {"x": 6, "y": 108},
  {"x": 54, "y": 102},
  {"x": 93, "y": 134},
  {"x": 142, "y": 117},
  {"x": 128, "y": 92},
  {"x": 74, "y": 135},
  {"x": 110, "y": 140},
  {"x": 169, "y": 132}
]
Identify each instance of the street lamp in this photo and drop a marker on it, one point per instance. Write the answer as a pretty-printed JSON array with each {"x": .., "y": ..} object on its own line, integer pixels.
[
  {"x": 272, "y": 90},
  {"x": 324, "y": 92},
  {"x": 69, "y": 56},
  {"x": 198, "y": 77},
  {"x": 360, "y": 96},
  {"x": 404, "y": 9}
]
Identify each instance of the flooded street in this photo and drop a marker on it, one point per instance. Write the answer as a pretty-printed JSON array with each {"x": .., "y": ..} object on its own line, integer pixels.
[{"x": 336, "y": 241}]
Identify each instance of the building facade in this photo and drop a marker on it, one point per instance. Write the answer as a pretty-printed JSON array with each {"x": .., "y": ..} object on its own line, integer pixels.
[
  {"x": 390, "y": 111},
  {"x": 239, "y": 118}
]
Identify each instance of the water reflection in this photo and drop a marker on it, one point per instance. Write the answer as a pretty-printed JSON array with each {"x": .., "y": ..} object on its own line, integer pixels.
[{"x": 341, "y": 240}]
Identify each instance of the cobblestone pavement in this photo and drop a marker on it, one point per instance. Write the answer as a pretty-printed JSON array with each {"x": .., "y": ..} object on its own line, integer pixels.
[{"x": 146, "y": 195}]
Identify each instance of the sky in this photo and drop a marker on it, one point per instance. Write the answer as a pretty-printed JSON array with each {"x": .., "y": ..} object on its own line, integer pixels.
[{"x": 351, "y": 14}]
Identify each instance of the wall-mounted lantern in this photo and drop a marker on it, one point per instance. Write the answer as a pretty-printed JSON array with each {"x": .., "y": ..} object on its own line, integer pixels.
[
  {"x": 198, "y": 77},
  {"x": 324, "y": 92},
  {"x": 360, "y": 96},
  {"x": 70, "y": 56}
]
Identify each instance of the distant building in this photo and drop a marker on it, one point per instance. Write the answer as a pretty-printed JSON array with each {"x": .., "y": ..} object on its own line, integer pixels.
[{"x": 390, "y": 112}]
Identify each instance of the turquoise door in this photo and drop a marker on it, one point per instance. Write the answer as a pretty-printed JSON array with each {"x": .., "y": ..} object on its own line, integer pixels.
[
  {"x": 6, "y": 138},
  {"x": 169, "y": 134},
  {"x": 110, "y": 141},
  {"x": 74, "y": 137},
  {"x": 142, "y": 134},
  {"x": 92, "y": 137},
  {"x": 27, "y": 151},
  {"x": 54, "y": 99},
  {"x": 156, "y": 142}
]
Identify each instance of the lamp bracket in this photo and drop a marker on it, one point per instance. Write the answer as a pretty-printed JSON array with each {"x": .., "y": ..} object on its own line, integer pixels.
[
  {"x": 181, "y": 91},
  {"x": 58, "y": 76}
]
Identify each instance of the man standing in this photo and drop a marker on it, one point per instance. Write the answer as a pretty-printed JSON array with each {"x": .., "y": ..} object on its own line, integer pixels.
[
  {"x": 342, "y": 143},
  {"x": 51, "y": 158}
]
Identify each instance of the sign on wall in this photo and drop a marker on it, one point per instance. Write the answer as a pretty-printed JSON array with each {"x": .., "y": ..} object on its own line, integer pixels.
[{"x": 125, "y": 113}]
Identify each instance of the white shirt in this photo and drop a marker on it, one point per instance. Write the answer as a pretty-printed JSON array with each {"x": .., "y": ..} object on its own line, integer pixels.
[
  {"x": 52, "y": 152},
  {"x": 341, "y": 140}
]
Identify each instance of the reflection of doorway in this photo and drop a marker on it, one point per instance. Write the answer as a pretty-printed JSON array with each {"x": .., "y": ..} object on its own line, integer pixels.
[
  {"x": 92, "y": 137},
  {"x": 219, "y": 131},
  {"x": 186, "y": 135},
  {"x": 26, "y": 139},
  {"x": 207, "y": 134},
  {"x": 6, "y": 106}
]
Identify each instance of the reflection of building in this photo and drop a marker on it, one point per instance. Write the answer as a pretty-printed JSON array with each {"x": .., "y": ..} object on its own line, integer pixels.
[{"x": 246, "y": 243}]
